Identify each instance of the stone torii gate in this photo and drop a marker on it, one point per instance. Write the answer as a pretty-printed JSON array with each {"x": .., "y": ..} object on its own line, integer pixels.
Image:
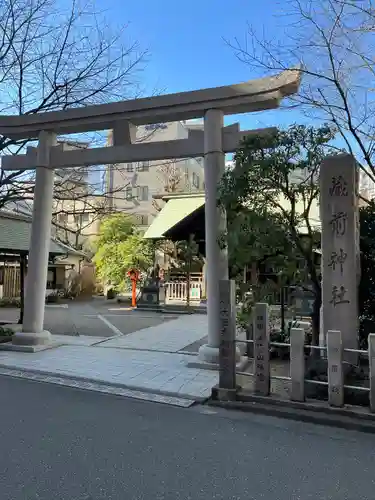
[{"x": 123, "y": 118}]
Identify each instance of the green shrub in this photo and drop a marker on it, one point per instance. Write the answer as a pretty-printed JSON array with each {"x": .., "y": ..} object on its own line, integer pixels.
[
  {"x": 6, "y": 332},
  {"x": 10, "y": 302},
  {"x": 52, "y": 298}
]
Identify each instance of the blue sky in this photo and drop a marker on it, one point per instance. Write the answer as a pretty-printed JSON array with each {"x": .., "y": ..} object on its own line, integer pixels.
[{"x": 186, "y": 45}]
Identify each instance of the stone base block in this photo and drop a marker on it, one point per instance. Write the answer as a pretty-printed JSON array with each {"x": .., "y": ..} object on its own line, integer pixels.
[
  {"x": 28, "y": 342},
  {"x": 9, "y": 346},
  {"x": 32, "y": 338},
  {"x": 241, "y": 364},
  {"x": 209, "y": 356},
  {"x": 220, "y": 394}
]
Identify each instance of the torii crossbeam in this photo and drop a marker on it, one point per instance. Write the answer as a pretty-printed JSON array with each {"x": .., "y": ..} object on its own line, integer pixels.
[{"x": 123, "y": 118}]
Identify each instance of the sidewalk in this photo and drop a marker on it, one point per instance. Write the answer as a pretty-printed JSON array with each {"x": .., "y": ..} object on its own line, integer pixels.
[{"x": 148, "y": 361}]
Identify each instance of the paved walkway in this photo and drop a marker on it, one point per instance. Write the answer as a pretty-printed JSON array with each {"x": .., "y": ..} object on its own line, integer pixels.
[
  {"x": 173, "y": 336},
  {"x": 149, "y": 360}
]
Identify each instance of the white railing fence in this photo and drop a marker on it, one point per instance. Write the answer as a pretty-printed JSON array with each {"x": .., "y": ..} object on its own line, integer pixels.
[
  {"x": 176, "y": 292},
  {"x": 335, "y": 353}
]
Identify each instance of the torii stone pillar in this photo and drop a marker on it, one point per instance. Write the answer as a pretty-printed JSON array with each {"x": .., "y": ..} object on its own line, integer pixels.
[
  {"x": 340, "y": 250},
  {"x": 215, "y": 224},
  {"x": 32, "y": 334}
]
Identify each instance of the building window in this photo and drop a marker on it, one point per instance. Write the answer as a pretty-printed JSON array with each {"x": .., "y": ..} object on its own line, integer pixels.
[
  {"x": 80, "y": 219},
  {"x": 63, "y": 218},
  {"x": 129, "y": 167},
  {"x": 156, "y": 126},
  {"x": 128, "y": 193},
  {"x": 142, "y": 193},
  {"x": 143, "y": 166},
  {"x": 195, "y": 180},
  {"x": 51, "y": 278},
  {"x": 140, "y": 220}
]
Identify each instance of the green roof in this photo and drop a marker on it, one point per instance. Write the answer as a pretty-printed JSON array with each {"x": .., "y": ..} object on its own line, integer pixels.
[
  {"x": 175, "y": 210},
  {"x": 179, "y": 206},
  {"x": 15, "y": 231}
]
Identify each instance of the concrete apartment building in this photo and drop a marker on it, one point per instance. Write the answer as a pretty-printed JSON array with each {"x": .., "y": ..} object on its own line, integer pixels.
[
  {"x": 366, "y": 184},
  {"x": 134, "y": 184},
  {"x": 78, "y": 202}
]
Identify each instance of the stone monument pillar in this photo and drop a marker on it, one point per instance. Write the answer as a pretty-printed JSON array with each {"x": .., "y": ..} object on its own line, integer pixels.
[{"x": 340, "y": 250}]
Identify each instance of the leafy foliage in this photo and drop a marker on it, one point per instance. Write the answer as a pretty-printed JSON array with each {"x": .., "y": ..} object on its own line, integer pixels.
[
  {"x": 245, "y": 311},
  {"x": 114, "y": 229},
  {"x": 6, "y": 332},
  {"x": 119, "y": 248},
  {"x": 270, "y": 196},
  {"x": 187, "y": 255},
  {"x": 256, "y": 237},
  {"x": 366, "y": 294}
]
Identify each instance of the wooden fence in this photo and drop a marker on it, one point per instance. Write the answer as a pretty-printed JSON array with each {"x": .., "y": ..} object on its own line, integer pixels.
[{"x": 11, "y": 286}]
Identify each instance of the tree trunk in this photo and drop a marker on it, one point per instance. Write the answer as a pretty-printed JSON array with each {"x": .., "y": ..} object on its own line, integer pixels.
[
  {"x": 282, "y": 304},
  {"x": 188, "y": 274},
  {"x": 188, "y": 287},
  {"x": 22, "y": 287},
  {"x": 254, "y": 273},
  {"x": 316, "y": 316}
]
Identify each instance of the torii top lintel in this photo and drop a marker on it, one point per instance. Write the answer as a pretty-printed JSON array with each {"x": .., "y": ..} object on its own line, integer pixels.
[{"x": 254, "y": 95}]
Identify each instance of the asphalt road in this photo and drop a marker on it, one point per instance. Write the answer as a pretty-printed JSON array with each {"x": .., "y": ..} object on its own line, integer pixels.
[
  {"x": 75, "y": 321},
  {"x": 81, "y": 318},
  {"x": 65, "y": 444}
]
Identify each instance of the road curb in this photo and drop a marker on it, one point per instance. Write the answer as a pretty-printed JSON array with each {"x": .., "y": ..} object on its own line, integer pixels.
[
  {"x": 350, "y": 418},
  {"x": 17, "y": 371}
]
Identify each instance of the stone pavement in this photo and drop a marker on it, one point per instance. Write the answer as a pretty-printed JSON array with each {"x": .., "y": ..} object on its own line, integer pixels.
[
  {"x": 171, "y": 337},
  {"x": 148, "y": 361}
]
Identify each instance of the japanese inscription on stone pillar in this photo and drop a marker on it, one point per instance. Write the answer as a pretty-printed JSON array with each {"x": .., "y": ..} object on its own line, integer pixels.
[
  {"x": 227, "y": 351},
  {"x": 335, "y": 368},
  {"x": 261, "y": 350},
  {"x": 339, "y": 214}
]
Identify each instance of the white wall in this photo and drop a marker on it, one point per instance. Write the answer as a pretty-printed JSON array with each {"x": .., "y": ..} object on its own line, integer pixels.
[{"x": 134, "y": 188}]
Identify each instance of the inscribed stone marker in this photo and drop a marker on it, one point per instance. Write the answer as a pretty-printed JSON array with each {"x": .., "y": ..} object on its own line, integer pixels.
[
  {"x": 371, "y": 360},
  {"x": 335, "y": 368},
  {"x": 297, "y": 364},
  {"x": 227, "y": 351},
  {"x": 340, "y": 244},
  {"x": 261, "y": 350}
]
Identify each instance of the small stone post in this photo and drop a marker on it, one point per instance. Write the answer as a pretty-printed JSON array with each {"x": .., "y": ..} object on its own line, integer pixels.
[
  {"x": 297, "y": 364},
  {"x": 371, "y": 362},
  {"x": 340, "y": 250},
  {"x": 261, "y": 350},
  {"x": 335, "y": 368},
  {"x": 227, "y": 351}
]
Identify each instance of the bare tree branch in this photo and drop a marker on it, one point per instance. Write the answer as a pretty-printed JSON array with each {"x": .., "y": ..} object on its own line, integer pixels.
[
  {"x": 54, "y": 59},
  {"x": 335, "y": 41}
]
